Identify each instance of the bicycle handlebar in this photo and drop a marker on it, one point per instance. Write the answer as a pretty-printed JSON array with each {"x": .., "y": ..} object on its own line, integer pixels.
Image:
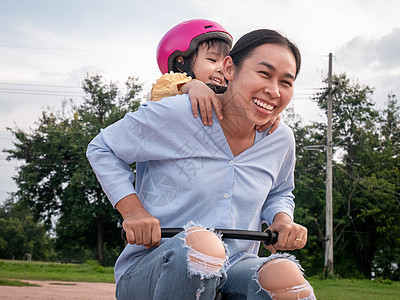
[{"x": 268, "y": 237}]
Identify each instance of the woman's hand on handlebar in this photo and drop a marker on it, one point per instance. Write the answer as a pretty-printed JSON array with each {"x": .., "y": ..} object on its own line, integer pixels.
[
  {"x": 140, "y": 226},
  {"x": 291, "y": 235}
]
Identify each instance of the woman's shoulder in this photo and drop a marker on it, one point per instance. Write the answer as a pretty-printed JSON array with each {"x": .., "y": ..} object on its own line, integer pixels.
[
  {"x": 167, "y": 108},
  {"x": 179, "y": 104},
  {"x": 176, "y": 110},
  {"x": 283, "y": 132}
]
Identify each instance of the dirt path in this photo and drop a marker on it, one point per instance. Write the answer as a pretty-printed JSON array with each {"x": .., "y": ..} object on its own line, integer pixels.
[{"x": 59, "y": 290}]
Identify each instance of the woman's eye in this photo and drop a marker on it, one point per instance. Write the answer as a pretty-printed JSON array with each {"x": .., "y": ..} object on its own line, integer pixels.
[
  {"x": 288, "y": 83},
  {"x": 266, "y": 74}
]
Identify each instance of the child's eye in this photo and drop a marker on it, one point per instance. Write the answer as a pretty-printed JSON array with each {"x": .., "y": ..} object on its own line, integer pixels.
[{"x": 212, "y": 59}]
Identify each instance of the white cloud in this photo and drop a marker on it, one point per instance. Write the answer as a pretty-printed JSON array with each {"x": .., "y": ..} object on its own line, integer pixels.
[
  {"x": 380, "y": 53},
  {"x": 375, "y": 61}
]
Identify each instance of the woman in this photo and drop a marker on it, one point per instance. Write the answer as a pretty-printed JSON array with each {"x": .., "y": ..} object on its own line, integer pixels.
[{"x": 226, "y": 175}]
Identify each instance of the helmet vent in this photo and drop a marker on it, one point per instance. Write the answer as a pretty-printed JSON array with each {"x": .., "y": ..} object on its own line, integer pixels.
[{"x": 208, "y": 26}]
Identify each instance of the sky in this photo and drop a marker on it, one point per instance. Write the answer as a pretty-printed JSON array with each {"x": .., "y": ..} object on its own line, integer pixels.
[{"x": 47, "y": 47}]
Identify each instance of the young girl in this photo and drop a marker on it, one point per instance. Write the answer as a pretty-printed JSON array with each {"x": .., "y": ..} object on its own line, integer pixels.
[{"x": 227, "y": 175}]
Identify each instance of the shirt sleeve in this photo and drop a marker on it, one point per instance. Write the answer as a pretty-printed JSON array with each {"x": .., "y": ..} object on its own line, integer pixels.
[
  {"x": 281, "y": 198},
  {"x": 168, "y": 85},
  {"x": 151, "y": 133}
]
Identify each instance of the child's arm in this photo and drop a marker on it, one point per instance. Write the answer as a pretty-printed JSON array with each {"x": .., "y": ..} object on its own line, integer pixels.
[
  {"x": 272, "y": 123},
  {"x": 201, "y": 96},
  {"x": 168, "y": 85}
]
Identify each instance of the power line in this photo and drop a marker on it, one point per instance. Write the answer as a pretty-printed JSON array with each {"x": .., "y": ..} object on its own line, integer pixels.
[
  {"x": 302, "y": 95},
  {"x": 129, "y": 52},
  {"x": 30, "y": 90},
  {"x": 39, "y": 89},
  {"x": 42, "y": 85},
  {"x": 313, "y": 88},
  {"x": 39, "y": 93},
  {"x": 78, "y": 87}
]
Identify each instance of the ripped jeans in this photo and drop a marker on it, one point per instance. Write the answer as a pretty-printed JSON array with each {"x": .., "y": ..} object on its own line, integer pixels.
[{"x": 179, "y": 270}]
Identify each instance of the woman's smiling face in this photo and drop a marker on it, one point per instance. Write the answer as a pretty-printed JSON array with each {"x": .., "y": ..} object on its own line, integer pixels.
[{"x": 263, "y": 84}]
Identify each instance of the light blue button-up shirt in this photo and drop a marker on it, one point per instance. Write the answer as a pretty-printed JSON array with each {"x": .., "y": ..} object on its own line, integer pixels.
[{"x": 190, "y": 173}]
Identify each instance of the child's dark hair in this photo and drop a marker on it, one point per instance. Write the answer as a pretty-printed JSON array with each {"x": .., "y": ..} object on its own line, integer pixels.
[
  {"x": 187, "y": 65},
  {"x": 247, "y": 43},
  {"x": 220, "y": 45}
]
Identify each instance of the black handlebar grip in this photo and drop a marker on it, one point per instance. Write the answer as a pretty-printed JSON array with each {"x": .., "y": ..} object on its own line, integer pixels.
[
  {"x": 123, "y": 234},
  {"x": 165, "y": 232},
  {"x": 268, "y": 237},
  {"x": 273, "y": 237}
]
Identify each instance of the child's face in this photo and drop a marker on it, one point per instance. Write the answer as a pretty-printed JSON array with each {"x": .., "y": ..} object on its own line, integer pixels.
[{"x": 207, "y": 66}]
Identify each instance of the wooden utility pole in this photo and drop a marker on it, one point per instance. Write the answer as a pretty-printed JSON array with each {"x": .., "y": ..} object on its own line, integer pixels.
[{"x": 329, "y": 154}]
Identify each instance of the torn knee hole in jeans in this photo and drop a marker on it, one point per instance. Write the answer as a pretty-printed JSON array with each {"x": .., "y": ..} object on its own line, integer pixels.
[
  {"x": 200, "y": 264},
  {"x": 204, "y": 265},
  {"x": 299, "y": 290},
  {"x": 304, "y": 291}
]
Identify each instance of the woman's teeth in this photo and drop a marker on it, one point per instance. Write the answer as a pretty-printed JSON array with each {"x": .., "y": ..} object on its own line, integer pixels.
[{"x": 263, "y": 105}]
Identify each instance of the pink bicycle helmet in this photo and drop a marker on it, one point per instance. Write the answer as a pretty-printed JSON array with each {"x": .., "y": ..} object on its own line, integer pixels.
[{"x": 184, "y": 38}]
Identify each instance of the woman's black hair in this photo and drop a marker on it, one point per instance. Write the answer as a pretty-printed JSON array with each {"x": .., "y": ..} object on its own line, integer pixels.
[{"x": 244, "y": 47}]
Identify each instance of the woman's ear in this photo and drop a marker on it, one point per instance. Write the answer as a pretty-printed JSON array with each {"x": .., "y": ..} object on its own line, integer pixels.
[
  {"x": 179, "y": 59},
  {"x": 228, "y": 68}
]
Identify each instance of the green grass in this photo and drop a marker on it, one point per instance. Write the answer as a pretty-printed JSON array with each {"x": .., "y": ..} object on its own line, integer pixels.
[
  {"x": 89, "y": 272},
  {"x": 13, "y": 271},
  {"x": 15, "y": 283},
  {"x": 355, "y": 289}
]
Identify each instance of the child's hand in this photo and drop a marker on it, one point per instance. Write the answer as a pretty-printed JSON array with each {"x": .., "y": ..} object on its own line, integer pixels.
[
  {"x": 272, "y": 123},
  {"x": 204, "y": 99}
]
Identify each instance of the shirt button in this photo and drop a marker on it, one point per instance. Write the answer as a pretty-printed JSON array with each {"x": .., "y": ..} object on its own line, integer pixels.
[
  {"x": 231, "y": 162},
  {"x": 226, "y": 195}
]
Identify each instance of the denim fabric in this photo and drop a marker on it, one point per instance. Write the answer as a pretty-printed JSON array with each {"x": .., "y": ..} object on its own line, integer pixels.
[
  {"x": 242, "y": 280},
  {"x": 241, "y": 283},
  {"x": 163, "y": 275}
]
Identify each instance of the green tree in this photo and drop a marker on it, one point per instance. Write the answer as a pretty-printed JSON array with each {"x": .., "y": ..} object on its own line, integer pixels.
[
  {"x": 56, "y": 180},
  {"x": 309, "y": 190},
  {"x": 365, "y": 192},
  {"x": 385, "y": 182},
  {"x": 21, "y": 235},
  {"x": 366, "y": 210}
]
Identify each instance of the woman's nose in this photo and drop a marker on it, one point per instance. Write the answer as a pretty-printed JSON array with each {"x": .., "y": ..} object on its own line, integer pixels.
[{"x": 272, "y": 89}]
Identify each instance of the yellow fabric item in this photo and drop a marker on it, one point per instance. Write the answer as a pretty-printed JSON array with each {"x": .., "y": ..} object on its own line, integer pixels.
[{"x": 168, "y": 85}]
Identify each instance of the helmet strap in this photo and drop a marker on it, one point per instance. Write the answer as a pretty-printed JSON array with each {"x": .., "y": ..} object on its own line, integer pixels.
[
  {"x": 217, "y": 89},
  {"x": 184, "y": 67}
]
